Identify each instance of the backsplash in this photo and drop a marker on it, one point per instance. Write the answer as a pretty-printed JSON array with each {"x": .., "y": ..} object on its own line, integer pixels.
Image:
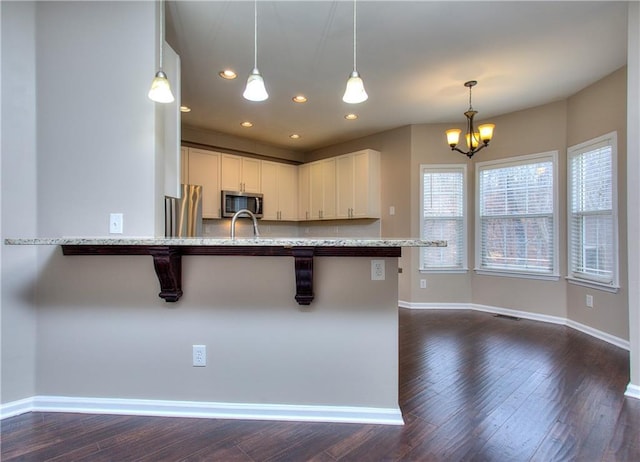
[{"x": 364, "y": 228}]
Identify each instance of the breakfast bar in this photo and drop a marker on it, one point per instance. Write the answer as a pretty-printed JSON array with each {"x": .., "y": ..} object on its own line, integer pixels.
[
  {"x": 294, "y": 329},
  {"x": 167, "y": 254}
]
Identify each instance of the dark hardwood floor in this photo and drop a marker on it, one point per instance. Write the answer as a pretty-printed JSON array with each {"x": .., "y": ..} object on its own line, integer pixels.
[{"x": 472, "y": 387}]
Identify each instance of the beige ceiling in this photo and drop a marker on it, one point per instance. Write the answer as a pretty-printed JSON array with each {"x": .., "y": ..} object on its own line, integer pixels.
[{"x": 413, "y": 56}]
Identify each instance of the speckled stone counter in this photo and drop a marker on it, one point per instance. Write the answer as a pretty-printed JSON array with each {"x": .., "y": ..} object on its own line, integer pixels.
[
  {"x": 167, "y": 253},
  {"x": 269, "y": 242}
]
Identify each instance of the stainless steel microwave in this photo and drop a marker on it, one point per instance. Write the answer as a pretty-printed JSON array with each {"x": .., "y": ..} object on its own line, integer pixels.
[{"x": 233, "y": 201}]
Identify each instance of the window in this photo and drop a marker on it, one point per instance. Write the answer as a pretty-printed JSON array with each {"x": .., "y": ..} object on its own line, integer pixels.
[
  {"x": 516, "y": 226},
  {"x": 443, "y": 217},
  {"x": 592, "y": 206}
]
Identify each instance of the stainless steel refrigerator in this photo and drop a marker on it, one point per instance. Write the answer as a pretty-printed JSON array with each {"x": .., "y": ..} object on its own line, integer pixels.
[{"x": 183, "y": 216}]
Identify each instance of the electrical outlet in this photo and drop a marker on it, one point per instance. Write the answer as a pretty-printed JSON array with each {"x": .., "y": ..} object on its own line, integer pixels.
[
  {"x": 589, "y": 301},
  {"x": 423, "y": 283},
  {"x": 115, "y": 223},
  {"x": 392, "y": 210},
  {"x": 199, "y": 355},
  {"x": 377, "y": 270}
]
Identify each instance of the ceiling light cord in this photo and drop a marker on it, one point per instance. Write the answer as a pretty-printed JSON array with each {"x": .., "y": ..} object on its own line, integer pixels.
[
  {"x": 161, "y": 32},
  {"x": 354, "y": 35},
  {"x": 255, "y": 34}
]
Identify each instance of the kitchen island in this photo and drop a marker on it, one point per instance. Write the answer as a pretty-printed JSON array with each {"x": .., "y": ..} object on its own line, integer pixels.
[{"x": 268, "y": 356}]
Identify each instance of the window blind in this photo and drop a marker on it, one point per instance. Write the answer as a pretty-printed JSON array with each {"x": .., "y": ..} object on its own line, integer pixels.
[
  {"x": 592, "y": 239},
  {"x": 517, "y": 213},
  {"x": 443, "y": 217}
]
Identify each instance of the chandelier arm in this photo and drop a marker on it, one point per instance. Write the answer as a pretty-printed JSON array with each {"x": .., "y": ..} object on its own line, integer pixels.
[{"x": 470, "y": 153}]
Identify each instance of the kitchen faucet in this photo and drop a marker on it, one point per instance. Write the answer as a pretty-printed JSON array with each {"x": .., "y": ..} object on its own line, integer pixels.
[{"x": 249, "y": 214}]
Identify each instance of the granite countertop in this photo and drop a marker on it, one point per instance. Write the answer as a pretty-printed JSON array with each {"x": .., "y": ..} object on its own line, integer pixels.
[{"x": 264, "y": 242}]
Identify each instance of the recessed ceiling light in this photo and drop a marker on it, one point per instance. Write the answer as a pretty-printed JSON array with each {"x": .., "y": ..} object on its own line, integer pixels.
[
  {"x": 351, "y": 116},
  {"x": 228, "y": 74},
  {"x": 299, "y": 99},
  {"x": 294, "y": 136},
  {"x": 185, "y": 109},
  {"x": 246, "y": 124}
]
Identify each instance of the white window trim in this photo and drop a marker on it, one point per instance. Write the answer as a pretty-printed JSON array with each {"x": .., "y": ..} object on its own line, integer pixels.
[
  {"x": 614, "y": 286},
  {"x": 509, "y": 162},
  {"x": 465, "y": 220}
]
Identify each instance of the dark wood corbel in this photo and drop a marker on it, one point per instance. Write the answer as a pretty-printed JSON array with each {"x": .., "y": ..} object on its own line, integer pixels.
[
  {"x": 303, "y": 257},
  {"x": 167, "y": 262}
]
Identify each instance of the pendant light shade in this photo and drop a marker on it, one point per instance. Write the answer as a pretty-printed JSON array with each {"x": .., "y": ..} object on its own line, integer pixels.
[
  {"x": 355, "y": 92},
  {"x": 160, "y": 90},
  {"x": 255, "y": 89}
]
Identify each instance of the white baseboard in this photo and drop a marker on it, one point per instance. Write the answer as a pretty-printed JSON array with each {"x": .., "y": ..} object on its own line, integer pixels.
[
  {"x": 617, "y": 341},
  {"x": 211, "y": 410},
  {"x": 632, "y": 391},
  {"x": 12, "y": 408}
]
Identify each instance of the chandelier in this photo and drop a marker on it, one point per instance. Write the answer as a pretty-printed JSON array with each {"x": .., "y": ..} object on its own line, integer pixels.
[{"x": 476, "y": 139}]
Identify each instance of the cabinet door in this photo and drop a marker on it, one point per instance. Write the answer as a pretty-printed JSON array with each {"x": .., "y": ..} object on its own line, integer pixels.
[
  {"x": 322, "y": 189},
  {"x": 366, "y": 181},
  {"x": 316, "y": 190},
  {"x": 329, "y": 188},
  {"x": 344, "y": 186},
  {"x": 270, "y": 190},
  {"x": 231, "y": 172},
  {"x": 204, "y": 169},
  {"x": 304, "y": 196},
  {"x": 288, "y": 192},
  {"x": 250, "y": 175}
]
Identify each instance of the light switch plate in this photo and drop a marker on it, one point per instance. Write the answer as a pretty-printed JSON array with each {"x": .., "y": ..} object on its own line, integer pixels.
[{"x": 115, "y": 223}]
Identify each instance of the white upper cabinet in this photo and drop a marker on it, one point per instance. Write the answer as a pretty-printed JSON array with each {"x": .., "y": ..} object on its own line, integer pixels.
[
  {"x": 342, "y": 187},
  {"x": 203, "y": 168},
  {"x": 358, "y": 185},
  {"x": 280, "y": 191},
  {"x": 240, "y": 173},
  {"x": 322, "y": 189}
]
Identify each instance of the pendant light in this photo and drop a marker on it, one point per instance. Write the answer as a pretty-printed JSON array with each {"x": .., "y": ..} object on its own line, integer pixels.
[
  {"x": 476, "y": 139},
  {"x": 160, "y": 90},
  {"x": 255, "y": 89},
  {"x": 354, "y": 92}
]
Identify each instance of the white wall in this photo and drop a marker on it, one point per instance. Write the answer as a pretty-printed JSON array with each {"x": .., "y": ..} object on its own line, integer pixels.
[
  {"x": 633, "y": 196},
  {"x": 96, "y": 126},
  {"x": 83, "y": 148},
  {"x": 18, "y": 205}
]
